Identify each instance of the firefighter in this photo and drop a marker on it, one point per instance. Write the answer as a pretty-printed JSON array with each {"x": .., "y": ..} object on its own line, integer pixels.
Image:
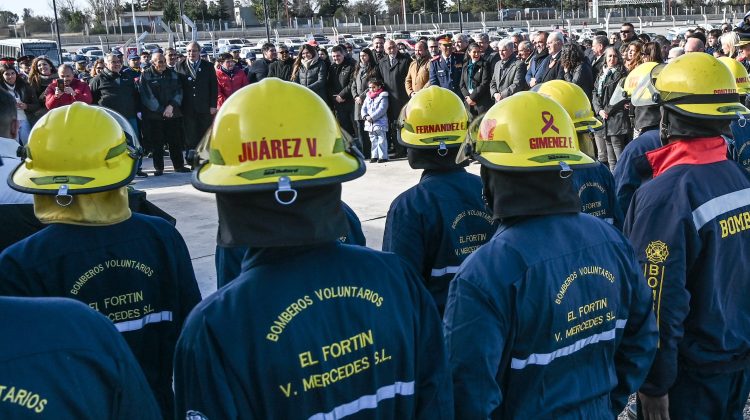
[
  {"x": 688, "y": 226},
  {"x": 595, "y": 185},
  {"x": 312, "y": 327},
  {"x": 437, "y": 223},
  {"x": 552, "y": 317},
  {"x": 134, "y": 269},
  {"x": 739, "y": 144},
  {"x": 62, "y": 360},
  {"x": 628, "y": 177}
]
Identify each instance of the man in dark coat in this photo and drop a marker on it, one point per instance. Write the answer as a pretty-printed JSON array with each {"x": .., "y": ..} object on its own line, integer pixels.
[
  {"x": 509, "y": 75},
  {"x": 282, "y": 68},
  {"x": 200, "y": 92},
  {"x": 339, "y": 87},
  {"x": 598, "y": 46},
  {"x": 394, "y": 68},
  {"x": 117, "y": 90},
  {"x": 554, "y": 69},
  {"x": 259, "y": 69}
]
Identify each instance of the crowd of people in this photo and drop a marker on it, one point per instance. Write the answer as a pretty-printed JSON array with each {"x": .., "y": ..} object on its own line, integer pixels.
[
  {"x": 479, "y": 71},
  {"x": 545, "y": 287}
]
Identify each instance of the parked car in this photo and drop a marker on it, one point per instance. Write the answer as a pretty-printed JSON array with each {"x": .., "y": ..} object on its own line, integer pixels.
[
  {"x": 223, "y": 44},
  {"x": 84, "y": 50}
]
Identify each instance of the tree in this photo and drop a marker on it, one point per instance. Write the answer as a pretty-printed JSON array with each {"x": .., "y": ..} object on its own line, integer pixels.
[
  {"x": 217, "y": 10},
  {"x": 8, "y": 18},
  {"x": 74, "y": 20},
  {"x": 196, "y": 9},
  {"x": 171, "y": 11},
  {"x": 330, "y": 7},
  {"x": 394, "y": 7},
  {"x": 301, "y": 8},
  {"x": 366, "y": 7}
]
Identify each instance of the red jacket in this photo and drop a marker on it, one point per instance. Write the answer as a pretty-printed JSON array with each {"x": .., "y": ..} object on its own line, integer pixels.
[
  {"x": 83, "y": 94},
  {"x": 229, "y": 84}
]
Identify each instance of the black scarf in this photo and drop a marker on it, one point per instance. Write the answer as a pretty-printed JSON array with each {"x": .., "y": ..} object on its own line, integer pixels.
[
  {"x": 430, "y": 159},
  {"x": 647, "y": 117},
  {"x": 258, "y": 220},
  {"x": 678, "y": 126},
  {"x": 515, "y": 194}
]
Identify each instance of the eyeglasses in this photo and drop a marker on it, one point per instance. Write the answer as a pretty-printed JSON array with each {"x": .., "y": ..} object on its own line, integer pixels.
[{"x": 625, "y": 32}]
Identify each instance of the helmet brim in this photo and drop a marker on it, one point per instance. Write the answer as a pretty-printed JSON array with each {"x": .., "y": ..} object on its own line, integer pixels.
[
  {"x": 534, "y": 162},
  {"x": 721, "y": 111},
  {"x": 227, "y": 179},
  {"x": 119, "y": 172}
]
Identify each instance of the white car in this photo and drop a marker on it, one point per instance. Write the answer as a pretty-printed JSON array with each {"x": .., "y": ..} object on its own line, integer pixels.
[
  {"x": 223, "y": 44},
  {"x": 84, "y": 50},
  {"x": 293, "y": 43},
  {"x": 94, "y": 54}
]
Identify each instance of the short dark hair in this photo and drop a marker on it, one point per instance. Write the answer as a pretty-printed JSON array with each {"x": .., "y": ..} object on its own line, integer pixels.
[
  {"x": 699, "y": 35},
  {"x": 8, "y": 112},
  {"x": 716, "y": 33},
  {"x": 339, "y": 49},
  {"x": 602, "y": 40},
  {"x": 379, "y": 36},
  {"x": 225, "y": 56},
  {"x": 373, "y": 80},
  {"x": 267, "y": 47},
  {"x": 630, "y": 25}
]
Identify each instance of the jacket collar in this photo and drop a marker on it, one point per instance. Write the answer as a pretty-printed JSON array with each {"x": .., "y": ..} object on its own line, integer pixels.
[{"x": 697, "y": 151}]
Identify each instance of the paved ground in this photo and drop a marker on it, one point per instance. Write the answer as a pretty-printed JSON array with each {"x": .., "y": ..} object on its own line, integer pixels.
[{"x": 195, "y": 211}]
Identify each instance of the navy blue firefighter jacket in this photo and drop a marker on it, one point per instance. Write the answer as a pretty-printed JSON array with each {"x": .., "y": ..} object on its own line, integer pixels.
[
  {"x": 689, "y": 227},
  {"x": 628, "y": 176},
  {"x": 550, "y": 319},
  {"x": 596, "y": 189},
  {"x": 61, "y": 360},
  {"x": 335, "y": 330},
  {"x": 436, "y": 224},
  {"x": 137, "y": 273}
]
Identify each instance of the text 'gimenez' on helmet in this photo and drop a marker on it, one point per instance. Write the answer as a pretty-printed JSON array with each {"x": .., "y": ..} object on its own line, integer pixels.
[
  {"x": 575, "y": 102},
  {"x": 525, "y": 132},
  {"x": 273, "y": 135},
  {"x": 75, "y": 149},
  {"x": 694, "y": 85},
  {"x": 434, "y": 118}
]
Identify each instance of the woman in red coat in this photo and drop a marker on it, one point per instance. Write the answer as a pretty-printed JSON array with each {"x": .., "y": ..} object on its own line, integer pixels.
[
  {"x": 230, "y": 78},
  {"x": 70, "y": 90}
]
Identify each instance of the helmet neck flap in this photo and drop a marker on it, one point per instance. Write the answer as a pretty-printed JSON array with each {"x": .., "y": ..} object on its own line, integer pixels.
[
  {"x": 515, "y": 194},
  {"x": 96, "y": 209},
  {"x": 675, "y": 126},
  {"x": 431, "y": 159},
  {"x": 256, "y": 219}
]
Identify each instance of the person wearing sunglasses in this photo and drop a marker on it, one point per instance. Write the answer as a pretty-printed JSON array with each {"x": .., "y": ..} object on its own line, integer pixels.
[{"x": 282, "y": 67}]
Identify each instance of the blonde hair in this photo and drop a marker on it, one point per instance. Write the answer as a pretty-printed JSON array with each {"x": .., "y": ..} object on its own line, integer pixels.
[{"x": 728, "y": 42}]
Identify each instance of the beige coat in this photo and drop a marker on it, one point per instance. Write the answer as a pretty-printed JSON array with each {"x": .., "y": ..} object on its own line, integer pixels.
[{"x": 418, "y": 76}]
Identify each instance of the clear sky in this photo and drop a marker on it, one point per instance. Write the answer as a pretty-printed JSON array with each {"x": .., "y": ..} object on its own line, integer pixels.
[{"x": 39, "y": 7}]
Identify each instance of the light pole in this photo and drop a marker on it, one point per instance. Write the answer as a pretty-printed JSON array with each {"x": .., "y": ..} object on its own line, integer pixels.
[
  {"x": 265, "y": 15},
  {"x": 460, "y": 17},
  {"x": 182, "y": 25},
  {"x": 57, "y": 30}
]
